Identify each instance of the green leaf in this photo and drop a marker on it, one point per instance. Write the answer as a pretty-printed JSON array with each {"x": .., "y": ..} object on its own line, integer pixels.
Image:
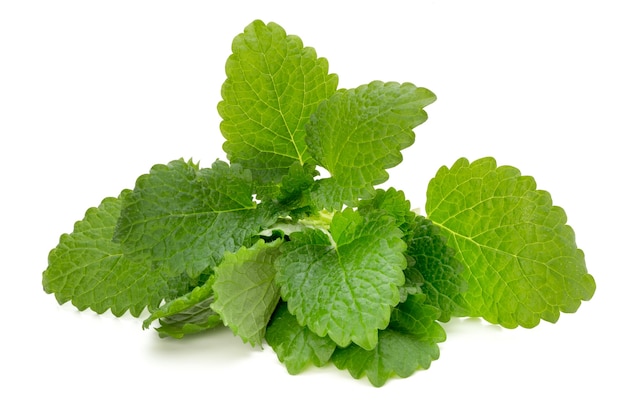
[
  {"x": 188, "y": 314},
  {"x": 394, "y": 203},
  {"x": 292, "y": 196},
  {"x": 273, "y": 86},
  {"x": 196, "y": 319},
  {"x": 245, "y": 292},
  {"x": 357, "y": 134},
  {"x": 343, "y": 282},
  {"x": 182, "y": 218},
  {"x": 521, "y": 258},
  {"x": 431, "y": 263},
  {"x": 296, "y": 346},
  {"x": 442, "y": 278},
  {"x": 89, "y": 269},
  {"x": 407, "y": 345}
]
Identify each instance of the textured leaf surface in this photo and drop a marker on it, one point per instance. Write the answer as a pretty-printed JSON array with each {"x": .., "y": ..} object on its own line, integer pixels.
[
  {"x": 357, "y": 134},
  {"x": 521, "y": 257},
  {"x": 432, "y": 266},
  {"x": 292, "y": 195},
  {"x": 182, "y": 218},
  {"x": 90, "y": 270},
  {"x": 295, "y": 345},
  {"x": 345, "y": 284},
  {"x": 273, "y": 86},
  {"x": 441, "y": 274},
  {"x": 394, "y": 203},
  {"x": 407, "y": 345},
  {"x": 245, "y": 292}
]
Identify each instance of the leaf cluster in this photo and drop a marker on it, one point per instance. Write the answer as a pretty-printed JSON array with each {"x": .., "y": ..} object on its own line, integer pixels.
[{"x": 327, "y": 269}]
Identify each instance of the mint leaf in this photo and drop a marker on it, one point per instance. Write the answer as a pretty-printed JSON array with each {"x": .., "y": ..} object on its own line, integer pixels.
[
  {"x": 273, "y": 86},
  {"x": 296, "y": 346},
  {"x": 435, "y": 263},
  {"x": 187, "y": 314},
  {"x": 245, "y": 292},
  {"x": 394, "y": 203},
  {"x": 521, "y": 258},
  {"x": 357, "y": 134},
  {"x": 344, "y": 282},
  {"x": 407, "y": 345},
  {"x": 196, "y": 319},
  {"x": 183, "y": 218},
  {"x": 432, "y": 268},
  {"x": 90, "y": 270},
  {"x": 291, "y": 197}
]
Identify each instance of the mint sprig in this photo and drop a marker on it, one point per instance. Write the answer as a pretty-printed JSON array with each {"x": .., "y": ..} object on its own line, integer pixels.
[{"x": 322, "y": 269}]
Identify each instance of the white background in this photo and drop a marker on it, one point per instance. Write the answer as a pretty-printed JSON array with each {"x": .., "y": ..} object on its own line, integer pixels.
[{"x": 92, "y": 94}]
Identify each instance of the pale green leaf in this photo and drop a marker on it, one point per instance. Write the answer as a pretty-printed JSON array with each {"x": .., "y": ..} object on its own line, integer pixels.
[
  {"x": 245, "y": 292},
  {"x": 274, "y": 84},
  {"x": 358, "y": 134},
  {"x": 521, "y": 257},
  {"x": 90, "y": 270}
]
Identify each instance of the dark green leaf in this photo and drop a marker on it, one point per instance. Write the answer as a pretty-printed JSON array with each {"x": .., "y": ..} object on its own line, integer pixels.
[{"x": 187, "y": 314}]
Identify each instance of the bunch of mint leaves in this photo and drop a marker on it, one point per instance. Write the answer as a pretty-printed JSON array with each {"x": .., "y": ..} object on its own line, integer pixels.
[{"x": 323, "y": 270}]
